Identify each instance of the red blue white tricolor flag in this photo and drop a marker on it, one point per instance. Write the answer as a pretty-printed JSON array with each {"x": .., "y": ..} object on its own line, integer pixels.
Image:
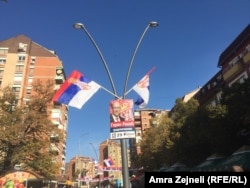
[
  {"x": 108, "y": 162},
  {"x": 142, "y": 89},
  {"x": 76, "y": 90}
]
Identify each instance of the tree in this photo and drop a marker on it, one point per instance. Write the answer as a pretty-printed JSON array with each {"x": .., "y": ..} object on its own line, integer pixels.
[
  {"x": 205, "y": 130},
  {"x": 27, "y": 131},
  {"x": 235, "y": 127},
  {"x": 155, "y": 144},
  {"x": 193, "y": 132},
  {"x": 10, "y": 127}
]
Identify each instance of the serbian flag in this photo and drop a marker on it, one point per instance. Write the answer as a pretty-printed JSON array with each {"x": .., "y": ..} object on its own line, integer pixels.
[
  {"x": 76, "y": 90},
  {"x": 142, "y": 89},
  {"x": 108, "y": 162}
]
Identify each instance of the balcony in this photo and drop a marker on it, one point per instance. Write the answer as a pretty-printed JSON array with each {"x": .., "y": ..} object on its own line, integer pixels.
[
  {"x": 246, "y": 58},
  {"x": 232, "y": 71},
  {"x": 59, "y": 79},
  {"x": 54, "y": 149},
  {"x": 54, "y": 138}
]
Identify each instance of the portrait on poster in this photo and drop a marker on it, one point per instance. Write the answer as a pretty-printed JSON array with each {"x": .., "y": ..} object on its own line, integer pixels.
[{"x": 121, "y": 113}]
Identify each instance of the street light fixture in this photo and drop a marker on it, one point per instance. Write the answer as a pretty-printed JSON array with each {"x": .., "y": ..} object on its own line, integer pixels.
[
  {"x": 79, "y": 157},
  {"x": 125, "y": 172},
  {"x": 150, "y": 24},
  {"x": 99, "y": 175},
  {"x": 81, "y": 26}
]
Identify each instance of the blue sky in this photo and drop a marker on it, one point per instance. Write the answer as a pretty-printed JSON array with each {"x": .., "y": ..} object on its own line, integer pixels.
[{"x": 184, "y": 48}]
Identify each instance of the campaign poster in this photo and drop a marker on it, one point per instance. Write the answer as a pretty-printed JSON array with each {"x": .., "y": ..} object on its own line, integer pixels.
[{"x": 121, "y": 119}]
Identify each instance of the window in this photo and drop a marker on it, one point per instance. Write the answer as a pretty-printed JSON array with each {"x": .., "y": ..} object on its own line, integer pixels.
[
  {"x": 2, "y": 61},
  {"x": 3, "y": 51},
  {"x": 28, "y": 93},
  {"x": 16, "y": 89},
  {"x": 31, "y": 72},
  {"x": 21, "y": 58},
  {"x": 18, "y": 80},
  {"x": 30, "y": 82},
  {"x": 1, "y": 73},
  {"x": 208, "y": 86},
  {"x": 19, "y": 68},
  {"x": 33, "y": 59}
]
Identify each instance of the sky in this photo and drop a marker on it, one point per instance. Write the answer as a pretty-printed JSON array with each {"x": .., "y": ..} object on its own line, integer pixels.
[{"x": 184, "y": 49}]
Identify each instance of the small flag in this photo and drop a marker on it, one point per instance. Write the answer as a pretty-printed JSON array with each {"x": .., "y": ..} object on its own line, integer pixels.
[
  {"x": 108, "y": 162},
  {"x": 76, "y": 90},
  {"x": 94, "y": 161},
  {"x": 142, "y": 89}
]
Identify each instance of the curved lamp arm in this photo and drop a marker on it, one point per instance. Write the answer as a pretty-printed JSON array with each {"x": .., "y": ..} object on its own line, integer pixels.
[
  {"x": 95, "y": 152},
  {"x": 150, "y": 24},
  {"x": 81, "y": 26}
]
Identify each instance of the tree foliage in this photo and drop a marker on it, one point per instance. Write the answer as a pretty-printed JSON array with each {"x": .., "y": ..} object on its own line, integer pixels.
[
  {"x": 25, "y": 136},
  {"x": 193, "y": 132},
  {"x": 155, "y": 144}
]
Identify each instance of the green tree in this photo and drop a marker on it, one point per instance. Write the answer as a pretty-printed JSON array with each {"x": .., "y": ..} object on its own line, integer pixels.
[
  {"x": 181, "y": 113},
  {"x": 26, "y": 137},
  {"x": 235, "y": 127},
  {"x": 193, "y": 132},
  {"x": 155, "y": 144},
  {"x": 10, "y": 127},
  {"x": 205, "y": 130}
]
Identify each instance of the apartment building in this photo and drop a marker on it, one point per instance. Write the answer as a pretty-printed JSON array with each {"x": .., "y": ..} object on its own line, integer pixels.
[
  {"x": 234, "y": 64},
  {"x": 81, "y": 169},
  {"x": 22, "y": 62},
  {"x": 111, "y": 150}
]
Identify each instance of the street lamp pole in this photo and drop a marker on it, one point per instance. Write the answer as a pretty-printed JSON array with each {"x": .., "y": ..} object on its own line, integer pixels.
[
  {"x": 81, "y": 26},
  {"x": 150, "y": 24},
  {"x": 99, "y": 175},
  {"x": 79, "y": 158},
  {"x": 125, "y": 171},
  {"x": 123, "y": 141},
  {"x": 94, "y": 151}
]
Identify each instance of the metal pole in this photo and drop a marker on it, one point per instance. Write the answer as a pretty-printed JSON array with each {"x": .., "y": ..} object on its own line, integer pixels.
[
  {"x": 79, "y": 157},
  {"x": 125, "y": 171},
  {"x": 150, "y": 24},
  {"x": 99, "y": 176},
  {"x": 81, "y": 26}
]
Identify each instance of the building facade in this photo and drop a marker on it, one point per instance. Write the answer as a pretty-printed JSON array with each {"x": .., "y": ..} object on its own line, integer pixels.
[
  {"x": 81, "y": 169},
  {"x": 23, "y": 62},
  {"x": 111, "y": 150},
  {"x": 90, "y": 171},
  {"x": 234, "y": 64}
]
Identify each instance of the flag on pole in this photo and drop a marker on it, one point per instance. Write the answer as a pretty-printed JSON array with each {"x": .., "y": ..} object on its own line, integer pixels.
[
  {"x": 108, "y": 162},
  {"x": 76, "y": 90},
  {"x": 142, "y": 89}
]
